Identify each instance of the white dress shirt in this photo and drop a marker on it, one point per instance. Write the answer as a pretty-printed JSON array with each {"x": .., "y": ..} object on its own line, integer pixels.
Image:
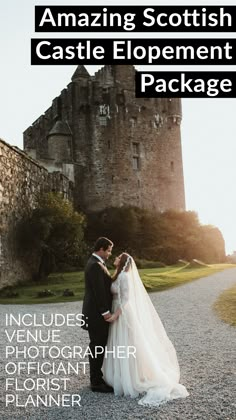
[{"x": 103, "y": 262}]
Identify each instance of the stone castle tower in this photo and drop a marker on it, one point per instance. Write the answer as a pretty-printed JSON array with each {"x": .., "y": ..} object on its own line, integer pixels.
[{"x": 117, "y": 149}]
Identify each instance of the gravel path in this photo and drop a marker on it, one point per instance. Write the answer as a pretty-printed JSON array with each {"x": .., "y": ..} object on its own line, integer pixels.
[{"x": 206, "y": 349}]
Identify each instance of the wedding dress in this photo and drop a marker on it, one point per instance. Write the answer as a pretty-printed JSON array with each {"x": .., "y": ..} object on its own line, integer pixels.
[{"x": 155, "y": 369}]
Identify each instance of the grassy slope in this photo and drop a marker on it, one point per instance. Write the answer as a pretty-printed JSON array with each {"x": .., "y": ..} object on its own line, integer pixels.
[
  {"x": 154, "y": 279},
  {"x": 225, "y": 306}
]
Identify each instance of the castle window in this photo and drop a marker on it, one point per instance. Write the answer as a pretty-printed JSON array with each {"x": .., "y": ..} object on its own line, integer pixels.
[
  {"x": 172, "y": 166},
  {"x": 133, "y": 122},
  {"x": 136, "y": 156},
  {"x": 120, "y": 99},
  {"x": 135, "y": 163},
  {"x": 157, "y": 120},
  {"x": 136, "y": 149},
  {"x": 103, "y": 121},
  {"x": 104, "y": 114}
]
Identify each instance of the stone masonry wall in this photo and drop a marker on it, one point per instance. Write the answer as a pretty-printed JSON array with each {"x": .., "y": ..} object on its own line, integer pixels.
[
  {"x": 126, "y": 150},
  {"x": 21, "y": 180}
]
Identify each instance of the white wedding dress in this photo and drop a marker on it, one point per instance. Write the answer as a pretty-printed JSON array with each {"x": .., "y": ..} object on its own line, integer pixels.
[{"x": 155, "y": 369}]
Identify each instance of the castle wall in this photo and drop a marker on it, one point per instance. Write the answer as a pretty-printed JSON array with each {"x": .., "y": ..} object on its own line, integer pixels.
[{"x": 21, "y": 180}]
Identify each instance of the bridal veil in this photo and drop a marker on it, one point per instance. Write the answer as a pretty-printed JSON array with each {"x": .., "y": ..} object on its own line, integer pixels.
[{"x": 155, "y": 370}]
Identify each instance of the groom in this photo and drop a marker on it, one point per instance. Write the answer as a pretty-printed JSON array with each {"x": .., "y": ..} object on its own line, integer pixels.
[{"x": 96, "y": 309}]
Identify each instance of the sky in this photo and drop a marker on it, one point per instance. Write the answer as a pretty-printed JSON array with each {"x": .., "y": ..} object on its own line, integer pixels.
[{"x": 208, "y": 126}]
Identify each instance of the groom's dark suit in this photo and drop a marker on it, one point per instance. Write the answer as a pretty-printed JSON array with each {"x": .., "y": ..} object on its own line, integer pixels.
[{"x": 97, "y": 301}]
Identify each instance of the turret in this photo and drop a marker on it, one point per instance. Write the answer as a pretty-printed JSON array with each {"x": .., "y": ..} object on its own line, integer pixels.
[
  {"x": 59, "y": 142},
  {"x": 80, "y": 73},
  {"x": 174, "y": 110}
]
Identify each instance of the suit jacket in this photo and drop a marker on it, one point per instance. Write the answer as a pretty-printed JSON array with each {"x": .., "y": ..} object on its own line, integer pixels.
[{"x": 98, "y": 297}]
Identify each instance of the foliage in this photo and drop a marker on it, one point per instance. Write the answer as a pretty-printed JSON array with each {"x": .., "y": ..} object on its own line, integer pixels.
[
  {"x": 165, "y": 237},
  {"x": 148, "y": 263},
  {"x": 54, "y": 232}
]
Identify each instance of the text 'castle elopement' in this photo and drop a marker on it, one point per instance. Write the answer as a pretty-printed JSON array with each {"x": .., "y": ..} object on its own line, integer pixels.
[{"x": 117, "y": 149}]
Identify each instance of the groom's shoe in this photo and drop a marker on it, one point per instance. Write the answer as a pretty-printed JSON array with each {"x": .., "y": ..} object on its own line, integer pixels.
[{"x": 102, "y": 387}]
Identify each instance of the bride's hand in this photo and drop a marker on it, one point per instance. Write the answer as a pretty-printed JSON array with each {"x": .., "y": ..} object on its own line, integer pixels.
[{"x": 112, "y": 318}]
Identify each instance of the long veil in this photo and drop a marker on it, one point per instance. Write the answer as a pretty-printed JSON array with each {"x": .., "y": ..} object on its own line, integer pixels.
[{"x": 156, "y": 370}]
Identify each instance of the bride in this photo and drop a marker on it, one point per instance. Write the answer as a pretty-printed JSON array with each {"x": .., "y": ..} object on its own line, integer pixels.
[{"x": 135, "y": 322}]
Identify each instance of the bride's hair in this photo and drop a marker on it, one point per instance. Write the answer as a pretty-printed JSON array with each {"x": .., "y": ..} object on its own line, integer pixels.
[{"x": 123, "y": 263}]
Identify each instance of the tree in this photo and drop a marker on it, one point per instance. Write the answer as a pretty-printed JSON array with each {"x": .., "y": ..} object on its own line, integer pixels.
[
  {"x": 54, "y": 232},
  {"x": 165, "y": 237},
  {"x": 120, "y": 224},
  {"x": 212, "y": 248}
]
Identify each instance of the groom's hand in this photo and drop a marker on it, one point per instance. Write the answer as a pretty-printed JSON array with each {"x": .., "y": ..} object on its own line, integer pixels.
[{"x": 107, "y": 316}]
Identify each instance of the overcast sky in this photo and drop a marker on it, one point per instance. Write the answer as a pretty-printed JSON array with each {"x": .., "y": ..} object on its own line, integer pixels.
[{"x": 208, "y": 127}]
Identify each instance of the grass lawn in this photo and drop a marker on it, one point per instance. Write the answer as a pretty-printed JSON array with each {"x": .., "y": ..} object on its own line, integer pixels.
[
  {"x": 154, "y": 279},
  {"x": 225, "y": 306}
]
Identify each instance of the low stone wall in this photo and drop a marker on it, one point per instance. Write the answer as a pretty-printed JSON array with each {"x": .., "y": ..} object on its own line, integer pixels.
[{"x": 21, "y": 180}]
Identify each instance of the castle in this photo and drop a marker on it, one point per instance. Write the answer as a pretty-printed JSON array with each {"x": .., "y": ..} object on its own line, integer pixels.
[
  {"x": 98, "y": 145},
  {"x": 117, "y": 149}
]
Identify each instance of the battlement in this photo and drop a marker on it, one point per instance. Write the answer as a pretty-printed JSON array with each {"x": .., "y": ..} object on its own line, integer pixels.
[{"x": 121, "y": 149}]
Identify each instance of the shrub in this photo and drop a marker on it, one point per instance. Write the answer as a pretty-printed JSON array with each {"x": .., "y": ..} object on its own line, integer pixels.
[
  {"x": 148, "y": 264},
  {"x": 55, "y": 232},
  {"x": 167, "y": 237}
]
